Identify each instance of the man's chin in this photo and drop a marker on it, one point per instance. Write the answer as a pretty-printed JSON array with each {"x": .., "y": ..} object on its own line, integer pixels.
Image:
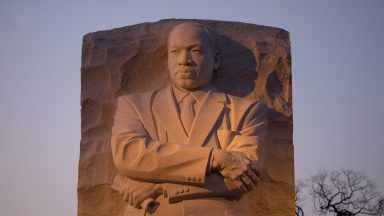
[{"x": 186, "y": 84}]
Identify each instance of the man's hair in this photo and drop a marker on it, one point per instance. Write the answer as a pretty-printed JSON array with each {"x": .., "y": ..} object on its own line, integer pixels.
[{"x": 209, "y": 31}]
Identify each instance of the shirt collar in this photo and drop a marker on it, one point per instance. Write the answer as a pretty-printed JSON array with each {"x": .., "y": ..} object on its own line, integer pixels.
[{"x": 199, "y": 95}]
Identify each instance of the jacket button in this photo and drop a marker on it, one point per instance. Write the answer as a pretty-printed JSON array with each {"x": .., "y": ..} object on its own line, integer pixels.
[
  {"x": 186, "y": 189},
  {"x": 228, "y": 212},
  {"x": 193, "y": 178},
  {"x": 198, "y": 178},
  {"x": 175, "y": 191}
]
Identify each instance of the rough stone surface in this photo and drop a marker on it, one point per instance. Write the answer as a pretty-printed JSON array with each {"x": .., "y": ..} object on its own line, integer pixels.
[{"x": 256, "y": 62}]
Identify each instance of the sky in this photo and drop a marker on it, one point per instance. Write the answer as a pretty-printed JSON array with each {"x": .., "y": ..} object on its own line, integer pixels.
[{"x": 338, "y": 102}]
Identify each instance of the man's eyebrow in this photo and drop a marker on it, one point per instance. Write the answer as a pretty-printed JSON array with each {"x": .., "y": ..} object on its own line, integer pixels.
[
  {"x": 175, "y": 46},
  {"x": 196, "y": 45}
]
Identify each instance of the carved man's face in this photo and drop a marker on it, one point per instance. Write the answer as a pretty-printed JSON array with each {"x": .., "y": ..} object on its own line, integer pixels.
[{"x": 191, "y": 58}]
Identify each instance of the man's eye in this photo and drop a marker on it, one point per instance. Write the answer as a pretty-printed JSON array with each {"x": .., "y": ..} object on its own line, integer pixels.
[
  {"x": 196, "y": 51},
  {"x": 173, "y": 51}
]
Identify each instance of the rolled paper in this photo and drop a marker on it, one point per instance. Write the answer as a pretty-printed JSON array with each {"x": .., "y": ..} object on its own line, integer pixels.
[{"x": 150, "y": 205}]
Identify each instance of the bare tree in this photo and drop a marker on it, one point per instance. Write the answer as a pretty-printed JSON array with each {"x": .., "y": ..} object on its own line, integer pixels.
[
  {"x": 344, "y": 193},
  {"x": 299, "y": 198}
]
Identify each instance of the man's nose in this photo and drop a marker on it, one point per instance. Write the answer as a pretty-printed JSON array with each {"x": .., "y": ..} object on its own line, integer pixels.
[{"x": 185, "y": 58}]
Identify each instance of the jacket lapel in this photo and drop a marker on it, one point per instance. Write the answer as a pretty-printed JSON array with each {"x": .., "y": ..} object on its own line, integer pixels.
[
  {"x": 164, "y": 108},
  {"x": 206, "y": 118}
]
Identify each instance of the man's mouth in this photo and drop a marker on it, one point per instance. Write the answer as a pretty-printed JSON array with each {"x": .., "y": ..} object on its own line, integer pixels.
[
  {"x": 188, "y": 70},
  {"x": 186, "y": 74}
]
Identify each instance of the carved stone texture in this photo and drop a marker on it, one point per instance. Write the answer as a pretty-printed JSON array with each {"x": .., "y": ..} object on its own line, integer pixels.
[{"x": 256, "y": 63}]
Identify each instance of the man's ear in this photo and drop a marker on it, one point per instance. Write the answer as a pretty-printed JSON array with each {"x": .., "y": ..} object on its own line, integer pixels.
[{"x": 217, "y": 61}]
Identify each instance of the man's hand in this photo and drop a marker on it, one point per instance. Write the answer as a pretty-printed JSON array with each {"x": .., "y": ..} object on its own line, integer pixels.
[
  {"x": 135, "y": 192},
  {"x": 234, "y": 165}
]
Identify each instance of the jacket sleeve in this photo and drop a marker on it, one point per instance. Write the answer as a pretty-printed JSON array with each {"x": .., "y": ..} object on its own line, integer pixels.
[
  {"x": 139, "y": 157},
  {"x": 250, "y": 134},
  {"x": 215, "y": 186}
]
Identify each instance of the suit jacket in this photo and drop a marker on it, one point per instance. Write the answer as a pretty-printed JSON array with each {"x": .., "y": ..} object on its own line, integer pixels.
[{"x": 150, "y": 145}]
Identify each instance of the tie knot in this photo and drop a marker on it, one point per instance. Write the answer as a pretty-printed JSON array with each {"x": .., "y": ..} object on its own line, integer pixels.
[{"x": 189, "y": 99}]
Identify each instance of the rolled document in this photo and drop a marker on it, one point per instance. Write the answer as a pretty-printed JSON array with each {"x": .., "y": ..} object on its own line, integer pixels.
[{"x": 150, "y": 205}]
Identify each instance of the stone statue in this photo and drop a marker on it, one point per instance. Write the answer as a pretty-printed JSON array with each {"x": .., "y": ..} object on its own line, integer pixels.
[{"x": 188, "y": 149}]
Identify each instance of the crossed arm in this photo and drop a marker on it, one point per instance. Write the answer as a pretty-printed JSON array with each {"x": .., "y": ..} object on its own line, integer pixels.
[{"x": 234, "y": 170}]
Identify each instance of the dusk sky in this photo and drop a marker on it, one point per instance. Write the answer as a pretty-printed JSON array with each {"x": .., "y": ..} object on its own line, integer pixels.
[{"x": 338, "y": 92}]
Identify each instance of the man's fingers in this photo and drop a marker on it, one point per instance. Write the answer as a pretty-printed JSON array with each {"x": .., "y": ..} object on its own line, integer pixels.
[
  {"x": 239, "y": 184},
  {"x": 253, "y": 176},
  {"x": 146, "y": 195},
  {"x": 227, "y": 174},
  {"x": 255, "y": 168},
  {"x": 130, "y": 199},
  {"x": 135, "y": 194},
  {"x": 136, "y": 200},
  {"x": 126, "y": 196},
  {"x": 247, "y": 182},
  {"x": 122, "y": 192},
  {"x": 236, "y": 184}
]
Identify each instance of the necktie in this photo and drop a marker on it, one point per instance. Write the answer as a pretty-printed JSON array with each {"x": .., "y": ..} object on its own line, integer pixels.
[{"x": 188, "y": 112}]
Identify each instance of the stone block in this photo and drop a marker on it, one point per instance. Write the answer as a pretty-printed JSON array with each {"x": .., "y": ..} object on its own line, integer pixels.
[{"x": 256, "y": 63}]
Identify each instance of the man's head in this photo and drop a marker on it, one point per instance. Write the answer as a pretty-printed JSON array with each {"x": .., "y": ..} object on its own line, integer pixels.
[{"x": 192, "y": 56}]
